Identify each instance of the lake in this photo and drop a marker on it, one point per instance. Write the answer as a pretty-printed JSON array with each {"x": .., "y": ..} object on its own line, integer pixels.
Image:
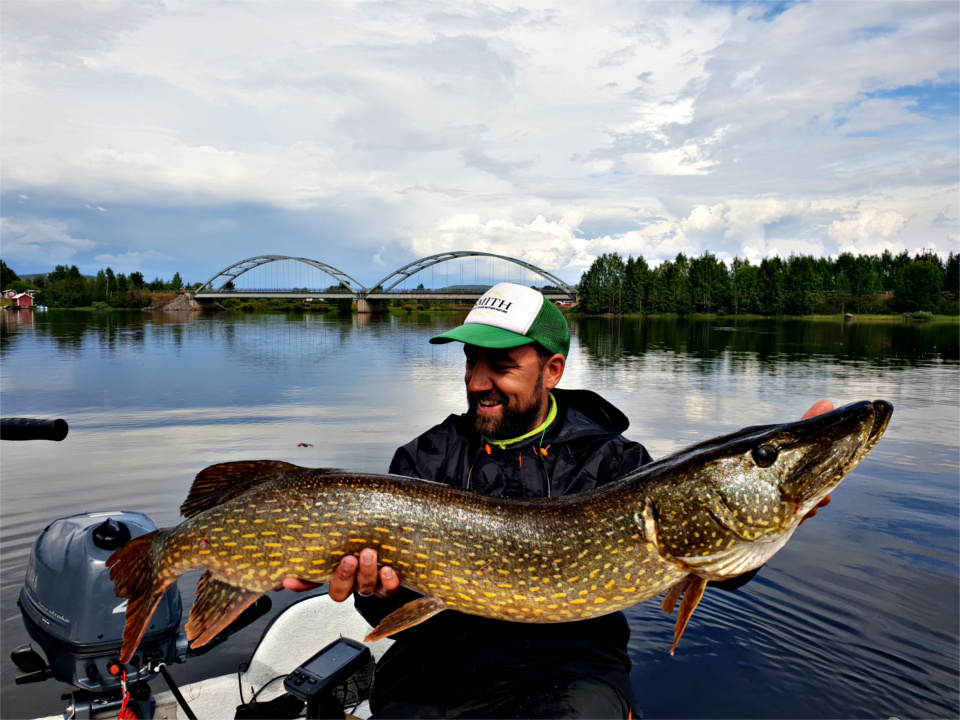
[{"x": 856, "y": 617}]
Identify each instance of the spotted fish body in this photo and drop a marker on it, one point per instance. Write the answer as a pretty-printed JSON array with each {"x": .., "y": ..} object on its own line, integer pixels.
[{"x": 712, "y": 511}]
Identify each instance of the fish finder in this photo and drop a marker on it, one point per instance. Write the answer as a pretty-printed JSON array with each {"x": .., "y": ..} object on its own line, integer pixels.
[{"x": 314, "y": 681}]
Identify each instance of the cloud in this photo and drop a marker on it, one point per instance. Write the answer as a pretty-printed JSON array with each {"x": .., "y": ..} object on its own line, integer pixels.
[
  {"x": 868, "y": 231},
  {"x": 46, "y": 241},
  {"x": 396, "y": 130},
  {"x": 131, "y": 261}
]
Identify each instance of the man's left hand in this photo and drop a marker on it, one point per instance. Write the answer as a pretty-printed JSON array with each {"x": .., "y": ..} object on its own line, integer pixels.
[{"x": 819, "y": 407}]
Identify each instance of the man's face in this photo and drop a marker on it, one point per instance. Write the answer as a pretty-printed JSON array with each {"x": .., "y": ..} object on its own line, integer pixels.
[{"x": 505, "y": 390}]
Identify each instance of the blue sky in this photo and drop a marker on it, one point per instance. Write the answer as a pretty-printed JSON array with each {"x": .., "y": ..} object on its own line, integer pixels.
[{"x": 181, "y": 137}]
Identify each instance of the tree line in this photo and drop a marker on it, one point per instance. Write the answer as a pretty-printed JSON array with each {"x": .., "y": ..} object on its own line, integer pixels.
[
  {"x": 66, "y": 287},
  {"x": 799, "y": 285}
]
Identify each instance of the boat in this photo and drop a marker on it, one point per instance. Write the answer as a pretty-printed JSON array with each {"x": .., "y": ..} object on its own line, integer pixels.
[{"x": 71, "y": 613}]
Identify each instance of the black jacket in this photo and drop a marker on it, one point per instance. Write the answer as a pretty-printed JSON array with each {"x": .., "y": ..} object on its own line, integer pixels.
[{"x": 454, "y": 654}]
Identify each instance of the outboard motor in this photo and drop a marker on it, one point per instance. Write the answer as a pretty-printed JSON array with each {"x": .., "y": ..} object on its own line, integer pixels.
[{"x": 70, "y": 610}]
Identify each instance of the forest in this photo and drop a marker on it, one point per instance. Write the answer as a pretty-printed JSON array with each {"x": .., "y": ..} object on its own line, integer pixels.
[
  {"x": 799, "y": 285},
  {"x": 66, "y": 287}
]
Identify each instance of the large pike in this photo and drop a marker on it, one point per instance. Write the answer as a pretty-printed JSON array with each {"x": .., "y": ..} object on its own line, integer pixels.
[{"x": 710, "y": 512}]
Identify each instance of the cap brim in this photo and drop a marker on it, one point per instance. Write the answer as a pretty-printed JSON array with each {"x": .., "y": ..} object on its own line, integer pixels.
[{"x": 481, "y": 335}]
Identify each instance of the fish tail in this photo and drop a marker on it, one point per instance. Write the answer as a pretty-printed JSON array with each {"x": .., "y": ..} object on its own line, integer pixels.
[{"x": 135, "y": 572}]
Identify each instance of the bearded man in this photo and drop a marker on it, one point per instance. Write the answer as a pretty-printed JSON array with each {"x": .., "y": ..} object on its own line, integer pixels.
[{"x": 520, "y": 437}]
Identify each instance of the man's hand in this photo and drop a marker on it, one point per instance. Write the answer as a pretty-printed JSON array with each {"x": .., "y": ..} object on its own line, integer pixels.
[
  {"x": 351, "y": 575},
  {"x": 819, "y": 407}
]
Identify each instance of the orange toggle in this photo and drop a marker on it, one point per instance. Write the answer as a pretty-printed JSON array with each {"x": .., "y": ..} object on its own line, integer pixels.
[
  {"x": 488, "y": 448},
  {"x": 543, "y": 451}
]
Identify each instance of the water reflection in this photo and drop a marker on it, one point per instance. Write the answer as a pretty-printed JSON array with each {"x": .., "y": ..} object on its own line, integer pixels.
[{"x": 879, "y": 342}]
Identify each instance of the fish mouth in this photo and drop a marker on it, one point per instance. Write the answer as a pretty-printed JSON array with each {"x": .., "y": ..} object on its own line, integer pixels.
[
  {"x": 883, "y": 411},
  {"x": 847, "y": 435}
]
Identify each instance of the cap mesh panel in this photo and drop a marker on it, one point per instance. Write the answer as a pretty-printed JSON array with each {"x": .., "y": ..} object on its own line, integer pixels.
[{"x": 550, "y": 329}]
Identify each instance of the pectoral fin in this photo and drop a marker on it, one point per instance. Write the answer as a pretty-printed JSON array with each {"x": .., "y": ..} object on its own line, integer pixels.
[
  {"x": 692, "y": 592},
  {"x": 217, "y": 605},
  {"x": 413, "y": 613}
]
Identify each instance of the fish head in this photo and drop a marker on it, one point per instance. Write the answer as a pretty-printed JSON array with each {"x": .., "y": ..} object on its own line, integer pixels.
[{"x": 725, "y": 506}]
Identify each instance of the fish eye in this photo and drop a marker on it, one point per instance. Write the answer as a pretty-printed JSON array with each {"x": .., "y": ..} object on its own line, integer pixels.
[{"x": 765, "y": 455}]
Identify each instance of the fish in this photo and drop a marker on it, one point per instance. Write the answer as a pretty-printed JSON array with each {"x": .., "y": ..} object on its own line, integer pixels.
[{"x": 712, "y": 511}]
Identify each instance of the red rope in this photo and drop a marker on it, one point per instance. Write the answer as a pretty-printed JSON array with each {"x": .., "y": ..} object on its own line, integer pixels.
[{"x": 125, "y": 712}]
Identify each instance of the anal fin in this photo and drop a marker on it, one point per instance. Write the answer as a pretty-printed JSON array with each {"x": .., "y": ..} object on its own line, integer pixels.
[
  {"x": 217, "y": 605},
  {"x": 413, "y": 613}
]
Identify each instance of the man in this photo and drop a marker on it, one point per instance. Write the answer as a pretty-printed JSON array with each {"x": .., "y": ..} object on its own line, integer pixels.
[{"x": 520, "y": 437}]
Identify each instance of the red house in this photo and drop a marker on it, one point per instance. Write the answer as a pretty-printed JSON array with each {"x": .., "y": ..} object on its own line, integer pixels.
[{"x": 20, "y": 300}]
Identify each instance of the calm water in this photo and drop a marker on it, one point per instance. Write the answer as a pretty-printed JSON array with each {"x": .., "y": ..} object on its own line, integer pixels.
[{"x": 856, "y": 617}]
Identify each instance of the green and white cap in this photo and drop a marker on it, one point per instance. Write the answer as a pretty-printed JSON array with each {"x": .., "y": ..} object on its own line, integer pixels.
[{"x": 510, "y": 315}]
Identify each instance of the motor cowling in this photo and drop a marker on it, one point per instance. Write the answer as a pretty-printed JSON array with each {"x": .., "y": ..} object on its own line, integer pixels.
[{"x": 70, "y": 610}]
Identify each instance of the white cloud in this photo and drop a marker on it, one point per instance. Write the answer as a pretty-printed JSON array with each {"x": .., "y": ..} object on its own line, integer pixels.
[
  {"x": 46, "y": 241},
  {"x": 551, "y": 133},
  {"x": 868, "y": 231}
]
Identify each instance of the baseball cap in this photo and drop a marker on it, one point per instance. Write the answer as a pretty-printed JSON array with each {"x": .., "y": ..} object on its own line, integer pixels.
[{"x": 509, "y": 315}]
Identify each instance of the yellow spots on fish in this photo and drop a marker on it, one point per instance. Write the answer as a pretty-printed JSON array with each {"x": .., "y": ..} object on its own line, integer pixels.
[
  {"x": 406, "y": 540},
  {"x": 559, "y": 595},
  {"x": 242, "y": 566},
  {"x": 573, "y": 579},
  {"x": 436, "y": 572},
  {"x": 236, "y": 557},
  {"x": 357, "y": 540},
  {"x": 419, "y": 565},
  {"x": 578, "y": 601},
  {"x": 295, "y": 527},
  {"x": 257, "y": 521},
  {"x": 272, "y": 545},
  {"x": 504, "y": 585},
  {"x": 335, "y": 534},
  {"x": 319, "y": 562},
  {"x": 610, "y": 584},
  {"x": 407, "y": 529},
  {"x": 422, "y": 556},
  {"x": 389, "y": 547},
  {"x": 268, "y": 533},
  {"x": 250, "y": 547},
  {"x": 186, "y": 547},
  {"x": 436, "y": 540}
]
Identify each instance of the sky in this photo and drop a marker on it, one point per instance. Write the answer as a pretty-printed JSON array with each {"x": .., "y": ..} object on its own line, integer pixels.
[{"x": 167, "y": 137}]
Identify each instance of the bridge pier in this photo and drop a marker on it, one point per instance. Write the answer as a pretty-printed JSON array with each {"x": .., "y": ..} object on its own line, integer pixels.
[
  {"x": 369, "y": 306},
  {"x": 205, "y": 304}
]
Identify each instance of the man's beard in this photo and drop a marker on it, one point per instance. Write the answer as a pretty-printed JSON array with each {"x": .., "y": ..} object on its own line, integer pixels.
[{"x": 513, "y": 421}]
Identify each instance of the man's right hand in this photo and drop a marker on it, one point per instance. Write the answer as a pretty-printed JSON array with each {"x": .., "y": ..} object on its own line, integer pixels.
[{"x": 352, "y": 575}]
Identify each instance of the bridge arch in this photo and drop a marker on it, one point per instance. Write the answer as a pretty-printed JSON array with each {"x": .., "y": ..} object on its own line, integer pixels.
[
  {"x": 398, "y": 276},
  {"x": 232, "y": 272}
]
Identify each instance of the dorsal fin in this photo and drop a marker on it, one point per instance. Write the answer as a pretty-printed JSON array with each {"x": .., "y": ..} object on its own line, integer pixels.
[{"x": 218, "y": 483}]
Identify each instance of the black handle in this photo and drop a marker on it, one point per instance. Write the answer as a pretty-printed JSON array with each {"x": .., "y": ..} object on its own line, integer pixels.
[{"x": 33, "y": 429}]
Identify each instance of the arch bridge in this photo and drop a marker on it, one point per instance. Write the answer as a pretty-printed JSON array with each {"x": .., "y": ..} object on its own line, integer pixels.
[{"x": 223, "y": 284}]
